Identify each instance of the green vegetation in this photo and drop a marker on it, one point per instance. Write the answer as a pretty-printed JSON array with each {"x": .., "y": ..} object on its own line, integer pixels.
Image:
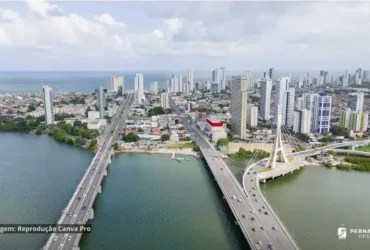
[
  {"x": 362, "y": 163},
  {"x": 155, "y": 111},
  {"x": 299, "y": 148},
  {"x": 140, "y": 130},
  {"x": 343, "y": 166},
  {"x": 339, "y": 131},
  {"x": 328, "y": 165},
  {"x": 223, "y": 142},
  {"x": 264, "y": 169},
  {"x": 185, "y": 139},
  {"x": 131, "y": 137},
  {"x": 246, "y": 154},
  {"x": 31, "y": 108},
  {"x": 331, "y": 152},
  {"x": 363, "y": 148},
  {"x": 165, "y": 137},
  {"x": 303, "y": 137},
  {"x": 75, "y": 100},
  {"x": 181, "y": 146},
  {"x": 326, "y": 138}
]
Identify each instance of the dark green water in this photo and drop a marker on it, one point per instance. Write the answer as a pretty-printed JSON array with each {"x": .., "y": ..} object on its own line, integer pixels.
[
  {"x": 37, "y": 178},
  {"x": 315, "y": 201},
  {"x": 148, "y": 201}
]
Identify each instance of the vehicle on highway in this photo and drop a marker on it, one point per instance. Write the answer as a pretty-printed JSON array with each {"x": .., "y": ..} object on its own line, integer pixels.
[
  {"x": 254, "y": 188},
  {"x": 79, "y": 223},
  {"x": 239, "y": 200},
  {"x": 254, "y": 195},
  {"x": 263, "y": 207},
  {"x": 79, "y": 198},
  {"x": 222, "y": 168},
  {"x": 81, "y": 187},
  {"x": 234, "y": 197},
  {"x": 263, "y": 229},
  {"x": 254, "y": 173},
  {"x": 253, "y": 212},
  {"x": 254, "y": 230},
  {"x": 258, "y": 247},
  {"x": 251, "y": 179},
  {"x": 243, "y": 215},
  {"x": 259, "y": 243},
  {"x": 84, "y": 207},
  {"x": 270, "y": 246},
  {"x": 256, "y": 200},
  {"x": 248, "y": 173},
  {"x": 55, "y": 238},
  {"x": 69, "y": 237},
  {"x": 252, "y": 218},
  {"x": 273, "y": 228},
  {"x": 213, "y": 159},
  {"x": 266, "y": 213},
  {"x": 260, "y": 210}
]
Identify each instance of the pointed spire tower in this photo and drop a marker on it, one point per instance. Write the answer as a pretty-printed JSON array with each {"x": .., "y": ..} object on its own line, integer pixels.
[{"x": 278, "y": 152}]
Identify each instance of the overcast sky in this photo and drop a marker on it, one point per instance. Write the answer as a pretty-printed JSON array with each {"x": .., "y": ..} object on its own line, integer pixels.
[{"x": 40, "y": 35}]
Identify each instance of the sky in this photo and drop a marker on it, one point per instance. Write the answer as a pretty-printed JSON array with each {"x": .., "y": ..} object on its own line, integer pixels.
[{"x": 39, "y": 35}]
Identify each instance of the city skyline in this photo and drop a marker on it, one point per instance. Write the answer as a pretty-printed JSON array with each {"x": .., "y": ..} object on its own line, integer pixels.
[{"x": 183, "y": 35}]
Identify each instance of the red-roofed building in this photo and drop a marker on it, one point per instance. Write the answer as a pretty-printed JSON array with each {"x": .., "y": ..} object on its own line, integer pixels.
[{"x": 215, "y": 130}]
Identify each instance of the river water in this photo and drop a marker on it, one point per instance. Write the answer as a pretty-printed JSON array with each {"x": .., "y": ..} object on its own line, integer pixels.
[{"x": 151, "y": 202}]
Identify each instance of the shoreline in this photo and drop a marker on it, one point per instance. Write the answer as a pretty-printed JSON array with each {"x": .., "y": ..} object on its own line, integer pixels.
[{"x": 160, "y": 151}]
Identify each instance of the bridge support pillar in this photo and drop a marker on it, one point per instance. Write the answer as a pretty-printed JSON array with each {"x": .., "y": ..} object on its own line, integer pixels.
[
  {"x": 105, "y": 172},
  {"x": 99, "y": 189},
  {"x": 91, "y": 214}
]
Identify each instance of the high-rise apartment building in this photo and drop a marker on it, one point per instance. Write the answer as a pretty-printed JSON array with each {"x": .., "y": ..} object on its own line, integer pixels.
[
  {"x": 302, "y": 121},
  {"x": 322, "y": 113},
  {"x": 288, "y": 107},
  {"x": 48, "y": 104},
  {"x": 366, "y": 76},
  {"x": 280, "y": 87},
  {"x": 165, "y": 102},
  {"x": 215, "y": 88},
  {"x": 353, "y": 120},
  {"x": 252, "y": 116},
  {"x": 190, "y": 80},
  {"x": 216, "y": 76},
  {"x": 356, "y": 101},
  {"x": 115, "y": 83},
  {"x": 139, "y": 86},
  {"x": 101, "y": 101},
  {"x": 323, "y": 77},
  {"x": 239, "y": 105},
  {"x": 266, "y": 87},
  {"x": 154, "y": 87},
  {"x": 222, "y": 78},
  {"x": 271, "y": 73}
]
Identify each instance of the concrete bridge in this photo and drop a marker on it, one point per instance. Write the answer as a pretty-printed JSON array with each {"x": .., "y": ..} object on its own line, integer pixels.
[{"x": 79, "y": 209}]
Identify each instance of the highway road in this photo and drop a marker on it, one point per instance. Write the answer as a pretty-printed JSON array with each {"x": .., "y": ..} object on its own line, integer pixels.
[
  {"x": 77, "y": 210},
  {"x": 244, "y": 206}
]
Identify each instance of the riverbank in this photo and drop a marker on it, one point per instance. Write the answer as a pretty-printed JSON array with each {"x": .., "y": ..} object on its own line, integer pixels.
[{"x": 185, "y": 151}]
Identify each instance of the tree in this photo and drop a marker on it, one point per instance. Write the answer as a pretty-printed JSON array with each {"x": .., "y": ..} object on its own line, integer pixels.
[
  {"x": 155, "y": 111},
  {"x": 303, "y": 137},
  {"x": 140, "y": 130},
  {"x": 223, "y": 142},
  {"x": 31, "y": 108},
  {"x": 131, "y": 137},
  {"x": 80, "y": 141},
  {"x": 93, "y": 143},
  {"x": 165, "y": 137},
  {"x": 168, "y": 111},
  {"x": 115, "y": 146},
  {"x": 77, "y": 123}
]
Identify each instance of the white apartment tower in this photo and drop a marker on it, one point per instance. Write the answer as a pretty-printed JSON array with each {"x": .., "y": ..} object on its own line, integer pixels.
[
  {"x": 139, "y": 86},
  {"x": 280, "y": 88},
  {"x": 239, "y": 105},
  {"x": 48, "y": 104},
  {"x": 165, "y": 102},
  {"x": 222, "y": 79},
  {"x": 190, "y": 80},
  {"x": 288, "y": 107},
  {"x": 252, "y": 116},
  {"x": 154, "y": 87},
  {"x": 115, "y": 82},
  {"x": 266, "y": 87},
  {"x": 302, "y": 121},
  {"x": 356, "y": 101}
]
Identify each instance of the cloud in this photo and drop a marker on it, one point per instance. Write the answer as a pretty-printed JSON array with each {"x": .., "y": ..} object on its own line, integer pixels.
[
  {"x": 313, "y": 34},
  {"x": 43, "y": 8}
]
